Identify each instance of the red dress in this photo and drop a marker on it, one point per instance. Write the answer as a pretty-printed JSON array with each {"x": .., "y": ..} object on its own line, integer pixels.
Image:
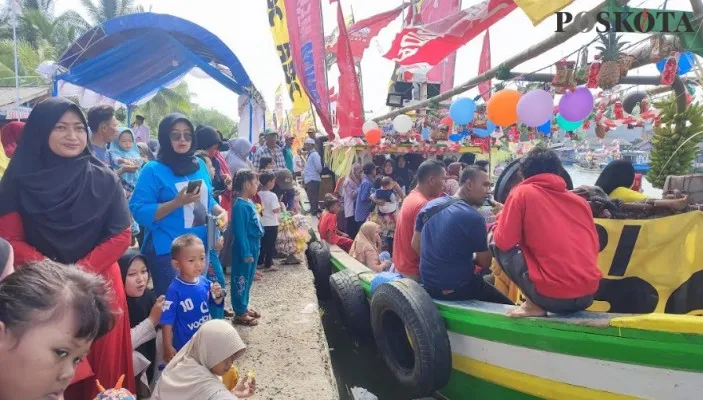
[
  {"x": 327, "y": 227},
  {"x": 111, "y": 356}
]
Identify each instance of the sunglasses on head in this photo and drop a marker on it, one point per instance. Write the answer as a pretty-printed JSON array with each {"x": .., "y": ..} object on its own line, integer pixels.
[{"x": 187, "y": 136}]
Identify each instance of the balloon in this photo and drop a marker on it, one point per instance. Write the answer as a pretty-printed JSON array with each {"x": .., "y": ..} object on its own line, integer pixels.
[
  {"x": 368, "y": 125},
  {"x": 426, "y": 133},
  {"x": 402, "y": 123},
  {"x": 546, "y": 128},
  {"x": 631, "y": 100},
  {"x": 576, "y": 105},
  {"x": 686, "y": 61},
  {"x": 462, "y": 111},
  {"x": 502, "y": 107},
  {"x": 535, "y": 107},
  {"x": 568, "y": 125},
  {"x": 373, "y": 136},
  {"x": 456, "y": 137},
  {"x": 482, "y": 133}
]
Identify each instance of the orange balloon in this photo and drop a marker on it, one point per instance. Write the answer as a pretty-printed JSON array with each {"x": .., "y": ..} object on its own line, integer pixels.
[
  {"x": 373, "y": 136},
  {"x": 448, "y": 122},
  {"x": 502, "y": 107}
]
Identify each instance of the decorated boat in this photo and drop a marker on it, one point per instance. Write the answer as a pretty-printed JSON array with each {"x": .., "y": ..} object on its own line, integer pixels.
[{"x": 641, "y": 339}]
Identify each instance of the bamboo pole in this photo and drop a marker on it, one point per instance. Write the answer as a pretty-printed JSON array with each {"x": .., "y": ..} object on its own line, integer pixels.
[{"x": 532, "y": 52}]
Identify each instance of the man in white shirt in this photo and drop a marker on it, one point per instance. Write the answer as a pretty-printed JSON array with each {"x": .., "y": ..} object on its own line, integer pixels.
[
  {"x": 141, "y": 131},
  {"x": 311, "y": 175}
]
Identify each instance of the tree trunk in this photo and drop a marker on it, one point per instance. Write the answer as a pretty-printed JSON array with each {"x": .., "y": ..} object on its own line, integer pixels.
[{"x": 532, "y": 52}]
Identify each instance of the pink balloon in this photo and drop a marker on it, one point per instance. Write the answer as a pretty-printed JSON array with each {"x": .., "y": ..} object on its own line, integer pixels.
[
  {"x": 576, "y": 105},
  {"x": 535, "y": 108}
]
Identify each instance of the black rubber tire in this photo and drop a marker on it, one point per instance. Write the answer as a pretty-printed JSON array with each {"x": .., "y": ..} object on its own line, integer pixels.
[
  {"x": 354, "y": 311},
  {"x": 511, "y": 177},
  {"x": 401, "y": 309},
  {"x": 319, "y": 262}
]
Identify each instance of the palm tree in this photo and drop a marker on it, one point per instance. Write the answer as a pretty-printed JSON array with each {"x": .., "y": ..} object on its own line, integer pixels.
[
  {"x": 167, "y": 101},
  {"x": 29, "y": 59},
  {"x": 102, "y": 10}
]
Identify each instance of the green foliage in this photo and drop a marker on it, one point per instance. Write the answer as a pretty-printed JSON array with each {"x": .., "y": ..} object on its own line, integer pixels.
[
  {"x": 214, "y": 118},
  {"x": 675, "y": 141},
  {"x": 611, "y": 46},
  {"x": 101, "y": 10}
]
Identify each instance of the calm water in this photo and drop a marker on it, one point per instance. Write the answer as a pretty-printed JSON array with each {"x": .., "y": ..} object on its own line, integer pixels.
[{"x": 580, "y": 177}]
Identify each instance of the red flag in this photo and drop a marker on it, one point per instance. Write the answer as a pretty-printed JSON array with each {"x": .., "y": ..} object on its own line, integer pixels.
[
  {"x": 361, "y": 33},
  {"x": 484, "y": 64},
  {"x": 307, "y": 47},
  {"x": 432, "y": 11},
  {"x": 429, "y": 44},
  {"x": 350, "y": 112}
]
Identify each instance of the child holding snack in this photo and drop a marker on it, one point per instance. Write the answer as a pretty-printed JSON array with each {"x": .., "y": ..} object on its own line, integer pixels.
[{"x": 190, "y": 295}]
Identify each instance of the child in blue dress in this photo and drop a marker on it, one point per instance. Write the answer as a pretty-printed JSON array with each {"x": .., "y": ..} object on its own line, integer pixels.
[
  {"x": 189, "y": 297},
  {"x": 247, "y": 232}
]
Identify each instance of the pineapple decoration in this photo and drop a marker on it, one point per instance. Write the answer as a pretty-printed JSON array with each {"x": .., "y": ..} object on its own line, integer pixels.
[{"x": 609, "y": 74}]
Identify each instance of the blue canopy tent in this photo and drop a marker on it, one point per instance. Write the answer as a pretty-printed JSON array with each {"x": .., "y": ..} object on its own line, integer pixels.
[{"x": 132, "y": 57}]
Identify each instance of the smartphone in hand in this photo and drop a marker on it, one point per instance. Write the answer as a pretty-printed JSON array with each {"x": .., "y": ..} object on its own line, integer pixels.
[{"x": 194, "y": 186}]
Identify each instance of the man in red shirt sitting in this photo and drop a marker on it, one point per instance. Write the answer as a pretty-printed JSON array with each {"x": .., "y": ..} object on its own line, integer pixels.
[
  {"x": 546, "y": 240},
  {"x": 430, "y": 185}
]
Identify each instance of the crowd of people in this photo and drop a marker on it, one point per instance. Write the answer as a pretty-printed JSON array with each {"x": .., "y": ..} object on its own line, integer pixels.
[{"x": 91, "y": 213}]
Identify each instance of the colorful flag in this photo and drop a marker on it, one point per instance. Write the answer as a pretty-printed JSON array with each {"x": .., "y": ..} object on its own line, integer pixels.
[
  {"x": 307, "y": 49},
  {"x": 427, "y": 45},
  {"x": 361, "y": 33},
  {"x": 350, "y": 111},
  {"x": 539, "y": 10},
  {"x": 432, "y": 11},
  {"x": 484, "y": 64},
  {"x": 279, "y": 30}
]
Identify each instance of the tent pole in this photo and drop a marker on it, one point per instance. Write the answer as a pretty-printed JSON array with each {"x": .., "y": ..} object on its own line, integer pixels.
[
  {"x": 251, "y": 121},
  {"x": 129, "y": 116},
  {"x": 55, "y": 87}
]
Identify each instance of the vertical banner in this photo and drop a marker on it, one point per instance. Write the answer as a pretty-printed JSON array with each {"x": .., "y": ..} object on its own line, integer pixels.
[
  {"x": 251, "y": 118},
  {"x": 350, "y": 111},
  {"x": 307, "y": 48},
  {"x": 435, "y": 10},
  {"x": 279, "y": 30},
  {"x": 278, "y": 109},
  {"x": 484, "y": 64}
]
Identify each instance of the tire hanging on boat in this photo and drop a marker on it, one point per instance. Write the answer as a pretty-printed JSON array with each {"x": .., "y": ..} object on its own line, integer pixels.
[
  {"x": 349, "y": 298},
  {"x": 411, "y": 336},
  {"x": 319, "y": 262},
  {"x": 511, "y": 177}
]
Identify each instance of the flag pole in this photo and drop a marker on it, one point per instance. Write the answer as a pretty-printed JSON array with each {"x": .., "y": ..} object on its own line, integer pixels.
[
  {"x": 14, "y": 11},
  {"x": 358, "y": 67}
]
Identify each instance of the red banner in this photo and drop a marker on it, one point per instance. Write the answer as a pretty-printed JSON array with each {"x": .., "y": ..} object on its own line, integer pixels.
[
  {"x": 432, "y": 11},
  {"x": 484, "y": 64},
  {"x": 429, "y": 44},
  {"x": 307, "y": 45},
  {"x": 361, "y": 33},
  {"x": 350, "y": 111}
]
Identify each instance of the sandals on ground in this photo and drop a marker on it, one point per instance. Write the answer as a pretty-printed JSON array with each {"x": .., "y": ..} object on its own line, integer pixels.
[{"x": 245, "y": 320}]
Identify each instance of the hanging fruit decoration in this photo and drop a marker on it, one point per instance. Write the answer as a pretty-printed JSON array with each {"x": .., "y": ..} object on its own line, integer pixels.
[
  {"x": 609, "y": 74},
  {"x": 670, "y": 69},
  {"x": 564, "y": 79},
  {"x": 618, "y": 110},
  {"x": 593, "y": 71}
]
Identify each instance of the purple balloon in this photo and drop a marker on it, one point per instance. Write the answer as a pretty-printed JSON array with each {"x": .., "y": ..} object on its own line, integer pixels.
[
  {"x": 577, "y": 105},
  {"x": 535, "y": 108}
]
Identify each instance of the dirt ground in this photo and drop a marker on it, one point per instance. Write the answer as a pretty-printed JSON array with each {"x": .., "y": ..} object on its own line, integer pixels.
[{"x": 288, "y": 349}]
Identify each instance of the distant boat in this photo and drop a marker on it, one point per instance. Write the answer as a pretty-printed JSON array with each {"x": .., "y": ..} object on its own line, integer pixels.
[{"x": 639, "y": 159}]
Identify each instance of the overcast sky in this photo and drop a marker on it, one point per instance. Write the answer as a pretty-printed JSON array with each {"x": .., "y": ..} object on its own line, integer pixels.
[{"x": 243, "y": 26}]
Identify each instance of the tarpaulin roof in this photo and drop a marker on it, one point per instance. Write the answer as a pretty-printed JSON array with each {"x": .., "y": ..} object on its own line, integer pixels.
[{"x": 131, "y": 57}]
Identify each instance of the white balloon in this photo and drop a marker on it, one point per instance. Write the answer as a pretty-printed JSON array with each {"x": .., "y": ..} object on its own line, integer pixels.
[
  {"x": 402, "y": 123},
  {"x": 368, "y": 125}
]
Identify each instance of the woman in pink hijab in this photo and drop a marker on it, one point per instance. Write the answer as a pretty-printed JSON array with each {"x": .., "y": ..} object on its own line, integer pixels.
[{"x": 10, "y": 135}]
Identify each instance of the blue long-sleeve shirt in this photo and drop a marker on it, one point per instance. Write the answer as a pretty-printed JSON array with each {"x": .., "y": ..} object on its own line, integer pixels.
[
  {"x": 157, "y": 184},
  {"x": 247, "y": 231},
  {"x": 364, "y": 205},
  {"x": 313, "y": 168}
]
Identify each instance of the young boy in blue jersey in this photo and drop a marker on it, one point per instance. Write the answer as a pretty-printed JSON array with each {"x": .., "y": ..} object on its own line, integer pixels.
[{"x": 190, "y": 295}]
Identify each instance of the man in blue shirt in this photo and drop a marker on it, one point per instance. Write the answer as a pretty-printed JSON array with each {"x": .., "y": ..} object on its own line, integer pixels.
[
  {"x": 364, "y": 204},
  {"x": 453, "y": 238},
  {"x": 103, "y": 127},
  {"x": 312, "y": 176}
]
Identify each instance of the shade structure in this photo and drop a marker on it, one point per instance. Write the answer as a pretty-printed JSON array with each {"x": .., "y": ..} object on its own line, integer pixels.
[{"x": 132, "y": 57}]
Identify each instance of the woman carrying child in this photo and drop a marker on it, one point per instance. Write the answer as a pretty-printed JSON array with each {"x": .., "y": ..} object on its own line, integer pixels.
[
  {"x": 144, "y": 317},
  {"x": 247, "y": 231},
  {"x": 365, "y": 248},
  {"x": 387, "y": 204},
  {"x": 327, "y": 227},
  {"x": 126, "y": 153}
]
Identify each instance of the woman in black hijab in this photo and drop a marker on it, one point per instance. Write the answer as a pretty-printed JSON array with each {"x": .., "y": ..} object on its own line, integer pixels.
[
  {"x": 160, "y": 201},
  {"x": 58, "y": 201},
  {"x": 618, "y": 173}
]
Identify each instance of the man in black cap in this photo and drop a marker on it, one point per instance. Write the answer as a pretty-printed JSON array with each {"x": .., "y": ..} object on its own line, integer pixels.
[
  {"x": 141, "y": 131},
  {"x": 272, "y": 149}
]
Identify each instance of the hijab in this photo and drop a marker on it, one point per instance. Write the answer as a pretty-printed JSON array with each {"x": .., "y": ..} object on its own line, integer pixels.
[
  {"x": 132, "y": 154},
  {"x": 365, "y": 240},
  {"x": 145, "y": 152},
  {"x": 207, "y": 137},
  {"x": 68, "y": 206},
  {"x": 237, "y": 159},
  {"x": 454, "y": 170},
  {"x": 180, "y": 164},
  {"x": 139, "y": 307},
  {"x": 618, "y": 173},
  {"x": 153, "y": 146},
  {"x": 10, "y": 135},
  {"x": 188, "y": 375},
  {"x": 356, "y": 169}
]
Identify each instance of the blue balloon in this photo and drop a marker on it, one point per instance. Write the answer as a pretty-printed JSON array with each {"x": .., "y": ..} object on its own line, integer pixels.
[
  {"x": 482, "y": 133},
  {"x": 686, "y": 61},
  {"x": 426, "y": 133},
  {"x": 545, "y": 128},
  {"x": 462, "y": 111},
  {"x": 456, "y": 137}
]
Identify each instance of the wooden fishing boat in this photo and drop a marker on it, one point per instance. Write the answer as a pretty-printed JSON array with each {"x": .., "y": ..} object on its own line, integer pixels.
[{"x": 472, "y": 349}]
